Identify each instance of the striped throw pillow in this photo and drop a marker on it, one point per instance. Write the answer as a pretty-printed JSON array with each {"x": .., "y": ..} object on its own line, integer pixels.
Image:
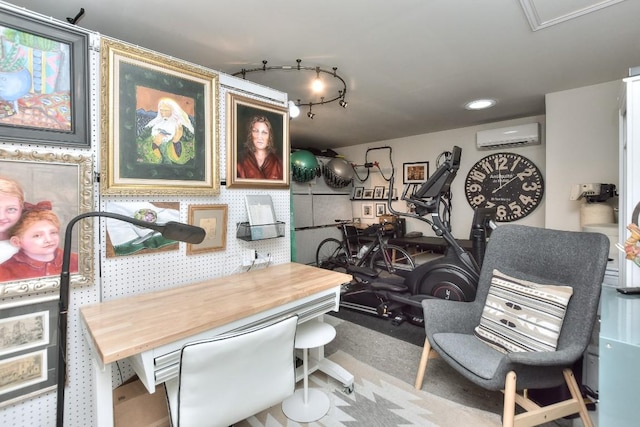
[{"x": 520, "y": 315}]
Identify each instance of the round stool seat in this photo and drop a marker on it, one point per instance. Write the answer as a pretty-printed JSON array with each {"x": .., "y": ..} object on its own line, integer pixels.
[
  {"x": 314, "y": 334},
  {"x": 308, "y": 405}
]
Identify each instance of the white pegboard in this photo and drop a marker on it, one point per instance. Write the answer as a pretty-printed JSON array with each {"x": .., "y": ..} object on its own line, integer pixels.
[{"x": 129, "y": 275}]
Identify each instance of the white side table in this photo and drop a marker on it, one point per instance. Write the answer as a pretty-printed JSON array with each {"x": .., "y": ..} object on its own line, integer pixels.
[{"x": 308, "y": 405}]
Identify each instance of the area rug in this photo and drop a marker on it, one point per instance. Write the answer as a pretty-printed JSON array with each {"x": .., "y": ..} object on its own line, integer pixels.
[{"x": 378, "y": 399}]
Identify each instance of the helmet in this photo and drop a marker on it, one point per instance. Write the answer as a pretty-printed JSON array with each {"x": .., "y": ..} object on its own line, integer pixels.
[
  {"x": 338, "y": 173},
  {"x": 304, "y": 166}
]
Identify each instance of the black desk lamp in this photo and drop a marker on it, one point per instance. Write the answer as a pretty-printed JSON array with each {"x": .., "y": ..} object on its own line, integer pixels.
[{"x": 171, "y": 230}]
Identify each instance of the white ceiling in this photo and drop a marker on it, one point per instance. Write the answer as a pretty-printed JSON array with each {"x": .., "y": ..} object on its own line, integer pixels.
[{"x": 410, "y": 65}]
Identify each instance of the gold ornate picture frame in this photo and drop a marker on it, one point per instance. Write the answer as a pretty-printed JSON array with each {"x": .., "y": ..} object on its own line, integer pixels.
[
  {"x": 244, "y": 169},
  {"x": 213, "y": 219},
  {"x": 72, "y": 195},
  {"x": 159, "y": 133}
]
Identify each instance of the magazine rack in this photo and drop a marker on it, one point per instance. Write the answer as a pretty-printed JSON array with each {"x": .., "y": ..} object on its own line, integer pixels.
[{"x": 248, "y": 232}]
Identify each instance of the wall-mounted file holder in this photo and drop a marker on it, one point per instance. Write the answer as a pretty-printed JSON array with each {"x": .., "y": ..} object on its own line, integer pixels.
[{"x": 259, "y": 232}]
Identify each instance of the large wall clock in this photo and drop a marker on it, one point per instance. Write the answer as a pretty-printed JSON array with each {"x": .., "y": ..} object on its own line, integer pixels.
[{"x": 509, "y": 182}]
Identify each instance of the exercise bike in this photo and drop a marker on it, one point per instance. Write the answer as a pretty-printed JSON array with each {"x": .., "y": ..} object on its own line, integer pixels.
[{"x": 453, "y": 276}]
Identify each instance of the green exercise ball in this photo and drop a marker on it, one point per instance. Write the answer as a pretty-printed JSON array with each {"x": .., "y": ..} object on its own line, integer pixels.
[{"x": 304, "y": 166}]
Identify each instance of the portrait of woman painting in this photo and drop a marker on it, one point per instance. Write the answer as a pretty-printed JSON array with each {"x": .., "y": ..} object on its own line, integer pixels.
[
  {"x": 161, "y": 136},
  {"x": 258, "y": 144}
]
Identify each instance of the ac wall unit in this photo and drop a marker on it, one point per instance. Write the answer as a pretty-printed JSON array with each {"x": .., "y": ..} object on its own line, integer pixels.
[{"x": 512, "y": 136}]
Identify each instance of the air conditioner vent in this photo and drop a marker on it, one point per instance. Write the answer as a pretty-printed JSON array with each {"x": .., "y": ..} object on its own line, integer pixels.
[{"x": 512, "y": 136}]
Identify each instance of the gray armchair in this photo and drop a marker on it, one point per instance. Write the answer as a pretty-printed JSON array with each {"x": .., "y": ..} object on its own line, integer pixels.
[{"x": 542, "y": 256}]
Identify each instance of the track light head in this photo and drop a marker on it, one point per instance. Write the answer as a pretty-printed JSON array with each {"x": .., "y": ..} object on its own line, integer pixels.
[
  {"x": 343, "y": 103},
  {"x": 294, "y": 110},
  {"x": 311, "y": 115}
]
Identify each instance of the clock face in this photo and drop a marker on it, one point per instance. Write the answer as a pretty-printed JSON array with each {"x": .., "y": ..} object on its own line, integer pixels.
[{"x": 507, "y": 181}]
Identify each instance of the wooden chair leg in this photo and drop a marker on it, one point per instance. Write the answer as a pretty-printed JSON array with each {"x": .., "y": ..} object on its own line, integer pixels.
[
  {"x": 423, "y": 364},
  {"x": 574, "y": 389},
  {"x": 509, "y": 405}
]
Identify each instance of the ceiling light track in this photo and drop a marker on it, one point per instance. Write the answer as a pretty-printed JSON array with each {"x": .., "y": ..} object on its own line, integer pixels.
[{"x": 317, "y": 82}]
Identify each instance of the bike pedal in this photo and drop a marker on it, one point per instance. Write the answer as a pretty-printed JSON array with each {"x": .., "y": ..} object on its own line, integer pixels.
[{"x": 398, "y": 320}]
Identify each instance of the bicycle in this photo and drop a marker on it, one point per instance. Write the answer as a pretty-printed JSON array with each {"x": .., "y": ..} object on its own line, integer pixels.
[{"x": 353, "y": 250}]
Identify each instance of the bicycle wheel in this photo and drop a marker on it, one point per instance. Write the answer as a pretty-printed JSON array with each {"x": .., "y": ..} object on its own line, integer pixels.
[
  {"x": 397, "y": 260},
  {"x": 331, "y": 254}
]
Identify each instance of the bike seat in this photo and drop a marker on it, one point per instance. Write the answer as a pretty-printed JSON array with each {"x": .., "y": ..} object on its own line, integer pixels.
[
  {"x": 393, "y": 284},
  {"x": 362, "y": 271}
]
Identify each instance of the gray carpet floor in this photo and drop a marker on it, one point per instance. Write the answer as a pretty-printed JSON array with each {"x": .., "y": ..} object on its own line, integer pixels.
[{"x": 396, "y": 350}]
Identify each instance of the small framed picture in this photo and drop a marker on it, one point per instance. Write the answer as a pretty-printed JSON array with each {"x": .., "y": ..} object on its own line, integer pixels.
[
  {"x": 368, "y": 193},
  {"x": 357, "y": 192},
  {"x": 386, "y": 194},
  {"x": 124, "y": 239},
  {"x": 378, "y": 192},
  {"x": 367, "y": 210},
  {"x": 29, "y": 348},
  {"x": 381, "y": 209},
  {"x": 415, "y": 173},
  {"x": 213, "y": 219}
]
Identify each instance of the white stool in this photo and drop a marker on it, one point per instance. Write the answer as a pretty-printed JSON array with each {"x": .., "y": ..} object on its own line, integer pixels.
[{"x": 308, "y": 405}]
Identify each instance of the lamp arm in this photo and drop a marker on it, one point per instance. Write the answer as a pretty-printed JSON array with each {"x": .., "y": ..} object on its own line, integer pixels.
[{"x": 172, "y": 230}]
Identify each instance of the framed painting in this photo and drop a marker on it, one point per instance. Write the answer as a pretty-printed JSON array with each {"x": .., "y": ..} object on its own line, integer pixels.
[
  {"x": 367, "y": 210},
  {"x": 357, "y": 192},
  {"x": 44, "y": 96},
  {"x": 257, "y": 144},
  {"x": 415, "y": 173},
  {"x": 26, "y": 179},
  {"x": 367, "y": 193},
  {"x": 213, "y": 219},
  {"x": 28, "y": 350},
  {"x": 381, "y": 209},
  {"x": 159, "y": 128},
  {"x": 378, "y": 192},
  {"x": 125, "y": 239}
]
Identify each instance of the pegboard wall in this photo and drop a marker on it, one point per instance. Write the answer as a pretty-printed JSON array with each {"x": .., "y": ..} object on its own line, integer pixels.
[{"x": 116, "y": 277}]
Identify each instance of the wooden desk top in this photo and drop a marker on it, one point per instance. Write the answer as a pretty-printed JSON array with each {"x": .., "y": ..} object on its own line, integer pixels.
[{"x": 127, "y": 326}]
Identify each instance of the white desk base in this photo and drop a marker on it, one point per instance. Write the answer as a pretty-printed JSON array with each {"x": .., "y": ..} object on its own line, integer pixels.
[{"x": 102, "y": 374}]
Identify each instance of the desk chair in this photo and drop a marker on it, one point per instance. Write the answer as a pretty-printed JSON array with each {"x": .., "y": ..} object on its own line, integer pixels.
[
  {"x": 492, "y": 340},
  {"x": 229, "y": 378}
]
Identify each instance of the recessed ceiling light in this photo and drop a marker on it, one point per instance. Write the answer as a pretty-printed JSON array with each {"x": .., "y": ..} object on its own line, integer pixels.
[{"x": 480, "y": 104}]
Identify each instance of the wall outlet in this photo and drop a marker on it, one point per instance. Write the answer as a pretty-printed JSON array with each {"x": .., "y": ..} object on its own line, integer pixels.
[{"x": 249, "y": 257}]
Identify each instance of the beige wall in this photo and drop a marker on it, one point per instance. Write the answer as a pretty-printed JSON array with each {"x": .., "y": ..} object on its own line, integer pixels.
[
  {"x": 582, "y": 147},
  {"x": 428, "y": 147},
  {"x": 579, "y": 145}
]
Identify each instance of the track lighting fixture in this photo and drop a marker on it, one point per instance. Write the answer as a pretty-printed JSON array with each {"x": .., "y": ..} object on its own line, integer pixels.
[
  {"x": 294, "y": 110},
  {"x": 318, "y": 85}
]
